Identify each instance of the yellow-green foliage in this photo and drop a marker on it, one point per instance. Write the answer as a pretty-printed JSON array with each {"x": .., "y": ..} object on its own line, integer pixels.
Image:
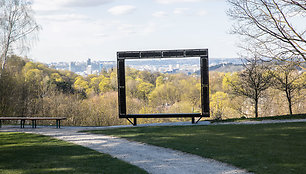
[{"x": 33, "y": 89}]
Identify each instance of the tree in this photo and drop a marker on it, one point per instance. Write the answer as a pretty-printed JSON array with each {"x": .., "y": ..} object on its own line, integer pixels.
[
  {"x": 289, "y": 80},
  {"x": 105, "y": 85},
  {"x": 274, "y": 28},
  {"x": 17, "y": 27},
  {"x": 56, "y": 77},
  {"x": 190, "y": 89},
  {"x": 219, "y": 101},
  {"x": 131, "y": 86},
  {"x": 94, "y": 83},
  {"x": 80, "y": 84},
  {"x": 159, "y": 81},
  {"x": 9, "y": 94},
  {"x": 193, "y": 95},
  {"x": 251, "y": 82},
  {"x": 165, "y": 94},
  {"x": 144, "y": 88}
]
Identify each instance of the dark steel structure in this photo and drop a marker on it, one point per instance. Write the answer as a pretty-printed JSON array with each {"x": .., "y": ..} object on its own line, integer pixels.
[{"x": 185, "y": 53}]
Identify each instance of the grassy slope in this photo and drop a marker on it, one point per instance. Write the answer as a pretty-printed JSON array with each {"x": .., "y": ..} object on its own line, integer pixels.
[
  {"x": 30, "y": 154},
  {"x": 263, "y": 148},
  {"x": 279, "y": 117}
]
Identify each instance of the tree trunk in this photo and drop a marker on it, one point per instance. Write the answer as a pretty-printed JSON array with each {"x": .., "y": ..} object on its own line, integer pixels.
[
  {"x": 289, "y": 101},
  {"x": 3, "y": 63},
  {"x": 4, "y": 54},
  {"x": 290, "y": 107},
  {"x": 256, "y": 108},
  {"x": 3, "y": 59}
]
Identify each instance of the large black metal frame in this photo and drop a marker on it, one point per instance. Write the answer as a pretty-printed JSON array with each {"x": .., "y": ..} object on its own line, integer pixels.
[{"x": 185, "y": 53}]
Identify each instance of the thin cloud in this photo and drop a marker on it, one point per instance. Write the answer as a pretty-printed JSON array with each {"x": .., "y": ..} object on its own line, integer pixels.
[
  {"x": 87, "y": 3},
  {"x": 63, "y": 17},
  {"x": 122, "y": 9},
  {"x": 180, "y": 10},
  {"x": 55, "y": 5},
  {"x": 43, "y": 5},
  {"x": 202, "y": 13},
  {"x": 149, "y": 28},
  {"x": 102, "y": 35},
  {"x": 127, "y": 28},
  {"x": 175, "y": 1},
  {"x": 160, "y": 14},
  {"x": 124, "y": 30}
]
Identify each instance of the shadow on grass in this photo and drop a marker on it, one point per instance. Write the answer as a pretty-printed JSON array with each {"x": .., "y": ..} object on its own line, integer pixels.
[
  {"x": 29, "y": 153},
  {"x": 263, "y": 148}
]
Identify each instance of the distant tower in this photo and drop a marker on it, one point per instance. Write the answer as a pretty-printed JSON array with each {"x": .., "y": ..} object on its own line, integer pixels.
[
  {"x": 89, "y": 68},
  {"x": 100, "y": 67},
  {"x": 88, "y": 62},
  {"x": 72, "y": 66}
]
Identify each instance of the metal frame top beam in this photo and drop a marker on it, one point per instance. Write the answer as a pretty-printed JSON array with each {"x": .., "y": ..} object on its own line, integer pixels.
[{"x": 162, "y": 54}]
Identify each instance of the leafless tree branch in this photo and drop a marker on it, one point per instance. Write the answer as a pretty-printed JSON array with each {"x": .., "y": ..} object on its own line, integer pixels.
[
  {"x": 272, "y": 27},
  {"x": 18, "y": 27}
]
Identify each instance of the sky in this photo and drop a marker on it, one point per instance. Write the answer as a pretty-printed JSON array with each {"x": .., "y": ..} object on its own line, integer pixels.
[{"x": 75, "y": 30}]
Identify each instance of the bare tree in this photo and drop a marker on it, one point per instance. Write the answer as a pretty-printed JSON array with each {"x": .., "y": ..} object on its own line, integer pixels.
[
  {"x": 17, "y": 27},
  {"x": 276, "y": 28},
  {"x": 252, "y": 81},
  {"x": 289, "y": 80}
]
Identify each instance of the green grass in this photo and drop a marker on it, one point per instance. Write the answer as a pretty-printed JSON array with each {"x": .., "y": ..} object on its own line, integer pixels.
[
  {"x": 30, "y": 154},
  {"x": 278, "y": 117},
  {"x": 262, "y": 148}
]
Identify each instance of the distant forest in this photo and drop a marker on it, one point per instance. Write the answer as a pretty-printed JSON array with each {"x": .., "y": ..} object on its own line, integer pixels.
[{"x": 33, "y": 89}]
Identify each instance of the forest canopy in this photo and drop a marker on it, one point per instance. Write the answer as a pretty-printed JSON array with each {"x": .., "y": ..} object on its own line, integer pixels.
[{"x": 29, "y": 88}]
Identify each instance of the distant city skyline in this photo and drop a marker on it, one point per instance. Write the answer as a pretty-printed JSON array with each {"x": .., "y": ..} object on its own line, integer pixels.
[
  {"x": 75, "y": 30},
  {"x": 169, "y": 65}
]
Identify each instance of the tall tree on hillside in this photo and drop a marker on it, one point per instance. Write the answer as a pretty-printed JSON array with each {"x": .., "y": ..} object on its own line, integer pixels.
[
  {"x": 17, "y": 27},
  {"x": 219, "y": 102},
  {"x": 276, "y": 28},
  {"x": 289, "y": 80},
  {"x": 251, "y": 82}
]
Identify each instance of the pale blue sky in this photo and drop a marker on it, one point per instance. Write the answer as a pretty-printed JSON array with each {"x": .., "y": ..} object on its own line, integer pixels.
[{"x": 75, "y": 30}]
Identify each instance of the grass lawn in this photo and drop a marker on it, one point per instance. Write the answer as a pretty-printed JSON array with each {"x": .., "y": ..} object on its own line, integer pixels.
[
  {"x": 262, "y": 148},
  {"x": 30, "y": 154},
  {"x": 278, "y": 117}
]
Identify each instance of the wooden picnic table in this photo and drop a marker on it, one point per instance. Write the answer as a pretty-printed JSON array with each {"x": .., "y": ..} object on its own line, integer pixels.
[{"x": 33, "y": 119}]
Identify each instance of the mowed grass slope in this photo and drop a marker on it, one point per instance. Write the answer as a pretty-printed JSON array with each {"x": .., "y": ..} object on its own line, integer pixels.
[
  {"x": 262, "y": 148},
  {"x": 31, "y": 154},
  {"x": 278, "y": 117}
]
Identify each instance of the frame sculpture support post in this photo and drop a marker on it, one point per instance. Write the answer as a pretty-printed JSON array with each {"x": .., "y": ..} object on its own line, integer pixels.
[
  {"x": 133, "y": 123},
  {"x": 204, "y": 86},
  {"x": 121, "y": 86}
]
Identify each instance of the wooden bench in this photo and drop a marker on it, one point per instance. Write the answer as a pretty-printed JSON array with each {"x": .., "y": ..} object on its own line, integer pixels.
[{"x": 33, "y": 119}]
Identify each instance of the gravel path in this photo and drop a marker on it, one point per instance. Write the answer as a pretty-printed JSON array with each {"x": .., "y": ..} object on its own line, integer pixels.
[{"x": 153, "y": 159}]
